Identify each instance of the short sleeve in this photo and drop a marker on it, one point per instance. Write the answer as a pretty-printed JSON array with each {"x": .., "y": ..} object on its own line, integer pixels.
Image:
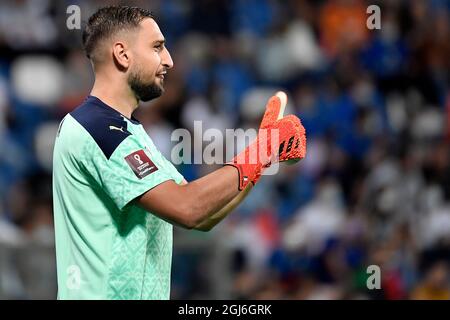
[{"x": 130, "y": 171}]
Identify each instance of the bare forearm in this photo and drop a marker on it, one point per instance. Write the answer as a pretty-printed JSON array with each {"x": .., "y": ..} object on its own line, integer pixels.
[
  {"x": 223, "y": 212},
  {"x": 190, "y": 204},
  {"x": 212, "y": 192}
]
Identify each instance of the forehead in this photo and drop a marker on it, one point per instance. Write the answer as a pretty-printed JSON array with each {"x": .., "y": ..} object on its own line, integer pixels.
[{"x": 150, "y": 30}]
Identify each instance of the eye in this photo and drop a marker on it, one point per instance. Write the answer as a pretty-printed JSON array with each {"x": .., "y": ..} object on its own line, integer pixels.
[{"x": 159, "y": 47}]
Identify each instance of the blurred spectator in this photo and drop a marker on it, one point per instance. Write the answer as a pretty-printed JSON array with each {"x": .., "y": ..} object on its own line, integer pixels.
[
  {"x": 434, "y": 285},
  {"x": 342, "y": 26}
]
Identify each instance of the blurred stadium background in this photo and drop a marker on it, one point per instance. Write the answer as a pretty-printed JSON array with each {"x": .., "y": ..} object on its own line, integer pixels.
[{"x": 373, "y": 189}]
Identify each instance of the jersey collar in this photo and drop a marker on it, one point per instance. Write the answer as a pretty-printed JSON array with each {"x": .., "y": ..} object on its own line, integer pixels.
[{"x": 100, "y": 103}]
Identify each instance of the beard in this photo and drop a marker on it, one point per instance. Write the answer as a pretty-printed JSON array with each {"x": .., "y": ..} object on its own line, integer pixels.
[{"x": 143, "y": 90}]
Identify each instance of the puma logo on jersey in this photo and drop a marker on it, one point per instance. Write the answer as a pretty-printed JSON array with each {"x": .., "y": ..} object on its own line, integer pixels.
[{"x": 116, "y": 128}]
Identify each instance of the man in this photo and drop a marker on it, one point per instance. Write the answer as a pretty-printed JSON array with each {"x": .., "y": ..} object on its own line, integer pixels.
[{"x": 115, "y": 196}]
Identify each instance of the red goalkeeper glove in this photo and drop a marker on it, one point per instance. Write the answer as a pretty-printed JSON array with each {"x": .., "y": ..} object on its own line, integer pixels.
[{"x": 279, "y": 139}]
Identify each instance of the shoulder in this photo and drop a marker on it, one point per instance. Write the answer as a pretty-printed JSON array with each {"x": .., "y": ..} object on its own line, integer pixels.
[{"x": 105, "y": 126}]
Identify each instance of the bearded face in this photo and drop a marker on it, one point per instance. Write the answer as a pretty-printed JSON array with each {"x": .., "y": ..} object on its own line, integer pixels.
[{"x": 145, "y": 90}]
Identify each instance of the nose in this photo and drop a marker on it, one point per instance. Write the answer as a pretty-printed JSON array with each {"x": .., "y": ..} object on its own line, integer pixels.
[{"x": 166, "y": 59}]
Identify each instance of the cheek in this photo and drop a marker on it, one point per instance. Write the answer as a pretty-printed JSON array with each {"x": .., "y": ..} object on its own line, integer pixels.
[
  {"x": 147, "y": 66},
  {"x": 146, "y": 59},
  {"x": 152, "y": 62}
]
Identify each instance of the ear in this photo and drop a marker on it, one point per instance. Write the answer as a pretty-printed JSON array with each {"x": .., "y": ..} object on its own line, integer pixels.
[{"x": 121, "y": 55}]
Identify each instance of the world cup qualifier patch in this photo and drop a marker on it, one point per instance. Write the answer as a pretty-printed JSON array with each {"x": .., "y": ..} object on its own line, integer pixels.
[{"x": 140, "y": 163}]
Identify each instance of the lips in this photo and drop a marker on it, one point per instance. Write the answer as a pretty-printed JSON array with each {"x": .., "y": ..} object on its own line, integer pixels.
[{"x": 161, "y": 75}]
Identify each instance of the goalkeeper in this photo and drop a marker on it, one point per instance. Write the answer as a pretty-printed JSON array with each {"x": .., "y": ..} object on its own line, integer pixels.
[{"x": 115, "y": 196}]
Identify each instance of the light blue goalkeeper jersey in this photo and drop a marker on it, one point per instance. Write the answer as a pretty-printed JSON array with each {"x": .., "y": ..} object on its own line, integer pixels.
[{"x": 106, "y": 246}]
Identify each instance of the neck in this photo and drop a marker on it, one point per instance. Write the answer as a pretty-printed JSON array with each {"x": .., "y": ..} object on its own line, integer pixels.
[{"x": 115, "y": 94}]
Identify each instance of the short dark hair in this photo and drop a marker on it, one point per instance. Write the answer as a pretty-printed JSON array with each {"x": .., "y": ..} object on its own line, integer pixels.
[{"x": 108, "y": 21}]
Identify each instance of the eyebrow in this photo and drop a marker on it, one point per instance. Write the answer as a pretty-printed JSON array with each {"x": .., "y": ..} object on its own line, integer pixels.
[{"x": 163, "y": 41}]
